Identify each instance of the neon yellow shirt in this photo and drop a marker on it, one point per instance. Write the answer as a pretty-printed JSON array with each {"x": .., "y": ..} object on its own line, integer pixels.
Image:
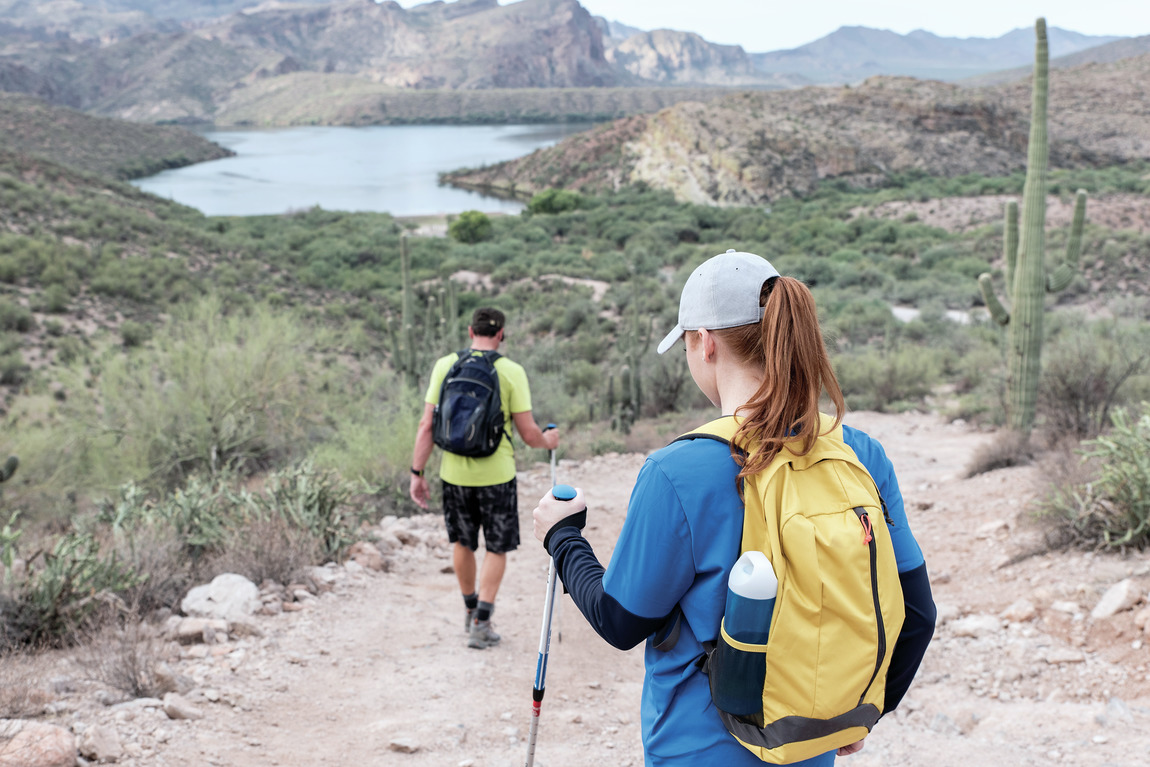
[{"x": 514, "y": 396}]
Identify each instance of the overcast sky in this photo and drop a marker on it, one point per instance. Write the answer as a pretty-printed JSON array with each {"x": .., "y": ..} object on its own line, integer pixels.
[{"x": 769, "y": 25}]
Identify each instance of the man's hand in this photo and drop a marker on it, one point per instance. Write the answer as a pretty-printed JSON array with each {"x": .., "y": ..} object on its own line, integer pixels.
[
  {"x": 420, "y": 491},
  {"x": 551, "y": 438},
  {"x": 853, "y": 748},
  {"x": 550, "y": 511}
]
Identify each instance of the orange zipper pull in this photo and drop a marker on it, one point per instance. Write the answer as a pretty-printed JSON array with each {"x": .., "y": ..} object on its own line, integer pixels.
[{"x": 868, "y": 534}]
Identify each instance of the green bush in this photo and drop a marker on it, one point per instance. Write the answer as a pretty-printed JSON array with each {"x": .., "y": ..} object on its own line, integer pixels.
[
  {"x": 553, "y": 201},
  {"x": 471, "y": 227},
  {"x": 214, "y": 392},
  {"x": 134, "y": 333},
  {"x": 887, "y": 380},
  {"x": 66, "y": 590},
  {"x": 15, "y": 317},
  {"x": 1113, "y": 509},
  {"x": 1086, "y": 369}
]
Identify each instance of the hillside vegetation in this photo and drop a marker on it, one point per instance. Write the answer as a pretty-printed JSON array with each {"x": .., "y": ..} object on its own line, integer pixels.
[{"x": 101, "y": 145}]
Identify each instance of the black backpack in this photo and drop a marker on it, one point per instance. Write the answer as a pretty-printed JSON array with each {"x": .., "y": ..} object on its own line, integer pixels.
[{"x": 468, "y": 420}]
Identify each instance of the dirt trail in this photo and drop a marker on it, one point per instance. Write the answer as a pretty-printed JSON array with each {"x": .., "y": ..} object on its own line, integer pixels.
[{"x": 380, "y": 664}]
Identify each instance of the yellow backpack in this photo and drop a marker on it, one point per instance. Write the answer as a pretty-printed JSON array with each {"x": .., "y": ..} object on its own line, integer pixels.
[{"x": 819, "y": 519}]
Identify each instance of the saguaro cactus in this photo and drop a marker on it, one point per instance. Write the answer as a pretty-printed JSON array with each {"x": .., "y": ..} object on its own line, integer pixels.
[
  {"x": 413, "y": 348},
  {"x": 1027, "y": 281}
]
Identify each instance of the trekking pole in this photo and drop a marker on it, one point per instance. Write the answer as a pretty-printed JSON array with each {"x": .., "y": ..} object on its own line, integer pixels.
[
  {"x": 556, "y": 603},
  {"x": 561, "y": 493}
]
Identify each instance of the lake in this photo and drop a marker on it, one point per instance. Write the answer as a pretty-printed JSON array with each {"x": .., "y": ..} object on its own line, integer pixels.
[{"x": 393, "y": 169}]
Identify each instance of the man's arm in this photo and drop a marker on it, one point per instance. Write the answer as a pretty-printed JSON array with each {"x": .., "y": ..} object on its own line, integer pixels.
[
  {"x": 529, "y": 431},
  {"x": 419, "y": 490}
]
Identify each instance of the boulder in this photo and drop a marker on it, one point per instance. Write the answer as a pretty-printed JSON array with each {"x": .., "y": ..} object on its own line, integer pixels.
[
  {"x": 101, "y": 744},
  {"x": 228, "y": 597},
  {"x": 35, "y": 744},
  {"x": 1118, "y": 598}
]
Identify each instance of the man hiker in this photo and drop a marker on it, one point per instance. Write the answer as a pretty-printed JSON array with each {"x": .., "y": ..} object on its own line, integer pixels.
[{"x": 478, "y": 492}]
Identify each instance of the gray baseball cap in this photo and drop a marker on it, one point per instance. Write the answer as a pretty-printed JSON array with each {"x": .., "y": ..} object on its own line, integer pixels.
[{"x": 723, "y": 292}]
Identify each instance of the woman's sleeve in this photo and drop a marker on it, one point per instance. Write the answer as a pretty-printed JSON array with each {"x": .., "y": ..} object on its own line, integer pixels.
[{"x": 632, "y": 598}]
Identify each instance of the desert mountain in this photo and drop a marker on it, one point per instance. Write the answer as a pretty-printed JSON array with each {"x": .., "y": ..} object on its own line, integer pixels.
[
  {"x": 469, "y": 44},
  {"x": 192, "y": 60},
  {"x": 1124, "y": 48},
  {"x": 851, "y": 54},
  {"x": 753, "y": 147},
  {"x": 667, "y": 56}
]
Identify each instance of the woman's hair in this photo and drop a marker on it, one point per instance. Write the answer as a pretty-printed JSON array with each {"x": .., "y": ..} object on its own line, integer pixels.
[{"x": 788, "y": 346}]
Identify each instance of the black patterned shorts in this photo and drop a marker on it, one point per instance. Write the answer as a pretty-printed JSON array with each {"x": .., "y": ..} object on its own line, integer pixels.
[{"x": 495, "y": 508}]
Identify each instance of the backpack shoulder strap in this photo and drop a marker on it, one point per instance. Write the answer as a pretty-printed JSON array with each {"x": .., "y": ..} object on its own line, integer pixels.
[{"x": 721, "y": 430}]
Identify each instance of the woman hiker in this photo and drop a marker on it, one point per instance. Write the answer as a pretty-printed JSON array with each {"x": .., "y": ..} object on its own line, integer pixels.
[{"x": 755, "y": 349}]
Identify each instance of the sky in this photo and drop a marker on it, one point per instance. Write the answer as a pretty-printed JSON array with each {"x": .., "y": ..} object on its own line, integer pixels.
[{"x": 770, "y": 25}]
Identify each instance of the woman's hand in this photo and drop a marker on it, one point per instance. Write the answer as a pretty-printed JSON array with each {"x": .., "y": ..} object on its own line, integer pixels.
[
  {"x": 853, "y": 748},
  {"x": 551, "y": 513}
]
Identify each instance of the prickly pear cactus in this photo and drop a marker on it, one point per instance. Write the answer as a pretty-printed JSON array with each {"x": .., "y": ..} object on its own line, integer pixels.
[{"x": 1027, "y": 280}]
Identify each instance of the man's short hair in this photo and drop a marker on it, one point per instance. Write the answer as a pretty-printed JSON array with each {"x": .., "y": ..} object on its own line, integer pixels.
[{"x": 487, "y": 321}]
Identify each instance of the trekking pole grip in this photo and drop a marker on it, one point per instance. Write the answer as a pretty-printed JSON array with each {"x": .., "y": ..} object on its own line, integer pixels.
[{"x": 577, "y": 520}]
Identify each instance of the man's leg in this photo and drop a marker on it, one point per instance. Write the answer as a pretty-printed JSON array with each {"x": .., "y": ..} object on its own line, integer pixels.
[
  {"x": 490, "y": 575},
  {"x": 463, "y": 559},
  {"x": 463, "y": 525},
  {"x": 501, "y": 535}
]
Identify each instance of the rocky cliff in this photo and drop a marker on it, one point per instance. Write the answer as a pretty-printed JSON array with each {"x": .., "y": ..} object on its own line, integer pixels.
[
  {"x": 185, "y": 76},
  {"x": 754, "y": 147}
]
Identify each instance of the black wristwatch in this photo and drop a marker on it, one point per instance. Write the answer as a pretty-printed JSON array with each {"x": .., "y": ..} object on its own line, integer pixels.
[{"x": 417, "y": 472}]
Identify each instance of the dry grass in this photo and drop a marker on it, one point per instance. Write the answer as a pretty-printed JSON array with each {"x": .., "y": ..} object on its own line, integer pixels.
[
  {"x": 124, "y": 654},
  {"x": 23, "y": 691},
  {"x": 1010, "y": 448},
  {"x": 267, "y": 549}
]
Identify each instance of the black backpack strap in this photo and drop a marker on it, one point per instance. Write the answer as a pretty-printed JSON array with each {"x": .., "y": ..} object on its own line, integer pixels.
[{"x": 667, "y": 636}]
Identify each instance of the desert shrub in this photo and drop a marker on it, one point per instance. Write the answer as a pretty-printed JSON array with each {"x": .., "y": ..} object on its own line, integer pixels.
[
  {"x": 267, "y": 548},
  {"x": 23, "y": 683},
  {"x": 64, "y": 592},
  {"x": 471, "y": 227},
  {"x": 125, "y": 654},
  {"x": 309, "y": 499},
  {"x": 1008, "y": 448},
  {"x": 887, "y": 379},
  {"x": 551, "y": 201},
  {"x": 214, "y": 392},
  {"x": 69, "y": 349},
  {"x": 1086, "y": 366},
  {"x": 134, "y": 333},
  {"x": 14, "y": 371},
  {"x": 15, "y": 317},
  {"x": 1112, "y": 507}
]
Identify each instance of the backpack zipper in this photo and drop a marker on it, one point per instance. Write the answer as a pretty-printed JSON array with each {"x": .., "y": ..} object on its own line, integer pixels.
[{"x": 868, "y": 539}]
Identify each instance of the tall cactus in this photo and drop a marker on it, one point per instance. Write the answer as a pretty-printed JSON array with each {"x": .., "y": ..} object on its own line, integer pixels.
[
  {"x": 413, "y": 349},
  {"x": 1024, "y": 253}
]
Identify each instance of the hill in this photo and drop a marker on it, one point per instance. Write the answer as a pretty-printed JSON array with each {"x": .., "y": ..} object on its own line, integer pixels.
[
  {"x": 851, "y": 54},
  {"x": 1109, "y": 53},
  {"x": 195, "y": 60},
  {"x": 102, "y": 145},
  {"x": 755, "y": 147}
]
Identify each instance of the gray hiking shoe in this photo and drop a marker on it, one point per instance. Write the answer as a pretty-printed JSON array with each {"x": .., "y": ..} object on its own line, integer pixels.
[
  {"x": 480, "y": 637},
  {"x": 469, "y": 618}
]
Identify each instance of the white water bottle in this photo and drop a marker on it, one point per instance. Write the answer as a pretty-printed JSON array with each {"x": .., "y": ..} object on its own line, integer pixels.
[
  {"x": 751, "y": 590},
  {"x": 738, "y": 675}
]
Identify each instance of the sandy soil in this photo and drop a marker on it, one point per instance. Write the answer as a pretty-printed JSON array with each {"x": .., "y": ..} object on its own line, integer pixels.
[{"x": 377, "y": 672}]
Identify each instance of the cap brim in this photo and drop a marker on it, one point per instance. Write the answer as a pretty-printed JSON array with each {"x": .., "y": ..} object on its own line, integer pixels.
[{"x": 671, "y": 338}]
